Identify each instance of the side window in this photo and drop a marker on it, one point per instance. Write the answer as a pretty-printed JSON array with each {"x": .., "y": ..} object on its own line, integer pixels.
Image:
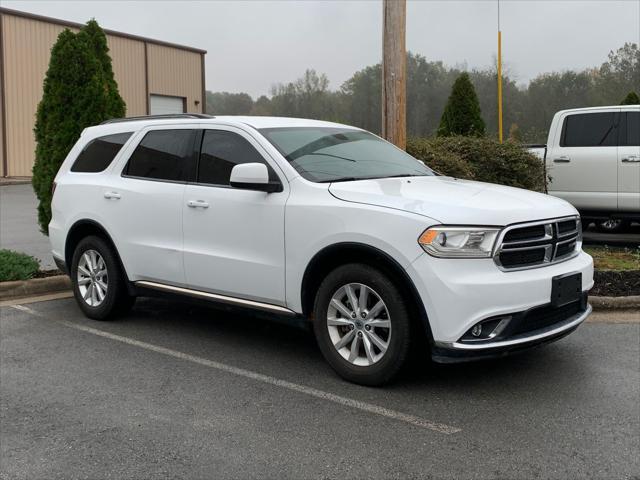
[
  {"x": 98, "y": 154},
  {"x": 221, "y": 151},
  {"x": 589, "y": 130},
  {"x": 163, "y": 155},
  {"x": 632, "y": 137}
]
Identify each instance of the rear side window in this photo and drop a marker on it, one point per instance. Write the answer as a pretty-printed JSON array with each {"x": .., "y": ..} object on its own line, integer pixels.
[
  {"x": 221, "y": 151},
  {"x": 98, "y": 154},
  {"x": 590, "y": 130},
  {"x": 163, "y": 155},
  {"x": 632, "y": 137}
]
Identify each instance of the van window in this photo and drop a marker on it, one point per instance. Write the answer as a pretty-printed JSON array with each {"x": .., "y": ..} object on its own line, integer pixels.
[
  {"x": 163, "y": 155},
  {"x": 632, "y": 137},
  {"x": 98, "y": 154},
  {"x": 221, "y": 151},
  {"x": 589, "y": 130}
]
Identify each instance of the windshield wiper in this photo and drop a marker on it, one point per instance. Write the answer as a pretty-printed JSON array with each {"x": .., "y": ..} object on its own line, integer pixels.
[
  {"x": 331, "y": 155},
  {"x": 341, "y": 179}
]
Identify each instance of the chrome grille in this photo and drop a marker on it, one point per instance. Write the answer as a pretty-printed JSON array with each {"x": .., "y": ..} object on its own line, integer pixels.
[{"x": 536, "y": 244}]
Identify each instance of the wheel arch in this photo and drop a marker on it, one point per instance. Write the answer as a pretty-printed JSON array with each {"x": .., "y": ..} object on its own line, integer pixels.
[
  {"x": 338, "y": 254},
  {"x": 84, "y": 228}
]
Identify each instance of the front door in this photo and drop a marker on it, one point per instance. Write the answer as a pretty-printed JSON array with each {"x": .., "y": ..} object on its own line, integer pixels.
[
  {"x": 233, "y": 238},
  {"x": 629, "y": 163}
]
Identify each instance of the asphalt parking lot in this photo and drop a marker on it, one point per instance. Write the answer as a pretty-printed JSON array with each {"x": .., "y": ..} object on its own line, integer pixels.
[{"x": 175, "y": 390}]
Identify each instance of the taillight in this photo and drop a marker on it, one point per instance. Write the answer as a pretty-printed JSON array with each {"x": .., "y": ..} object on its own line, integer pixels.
[{"x": 53, "y": 188}]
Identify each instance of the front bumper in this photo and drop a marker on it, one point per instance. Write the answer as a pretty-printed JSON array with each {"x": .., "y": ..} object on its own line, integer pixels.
[
  {"x": 457, "y": 294},
  {"x": 454, "y": 352}
]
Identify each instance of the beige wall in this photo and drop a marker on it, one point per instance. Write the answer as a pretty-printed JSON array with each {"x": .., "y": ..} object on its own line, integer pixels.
[
  {"x": 183, "y": 79},
  {"x": 26, "y": 47}
]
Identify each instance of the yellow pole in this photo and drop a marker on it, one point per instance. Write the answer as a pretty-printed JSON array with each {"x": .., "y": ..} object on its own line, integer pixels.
[{"x": 500, "y": 86}]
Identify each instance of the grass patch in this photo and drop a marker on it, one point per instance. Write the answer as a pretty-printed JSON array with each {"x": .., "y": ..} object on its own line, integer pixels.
[
  {"x": 17, "y": 266},
  {"x": 610, "y": 258}
]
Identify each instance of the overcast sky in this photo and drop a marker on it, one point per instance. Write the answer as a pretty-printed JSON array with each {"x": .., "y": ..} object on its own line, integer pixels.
[{"x": 253, "y": 44}]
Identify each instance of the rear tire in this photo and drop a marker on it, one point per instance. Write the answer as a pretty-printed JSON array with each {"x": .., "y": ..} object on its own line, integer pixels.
[
  {"x": 99, "y": 284},
  {"x": 366, "y": 343}
]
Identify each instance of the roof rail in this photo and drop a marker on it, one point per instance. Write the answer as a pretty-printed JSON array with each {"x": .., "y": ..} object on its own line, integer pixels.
[{"x": 167, "y": 116}]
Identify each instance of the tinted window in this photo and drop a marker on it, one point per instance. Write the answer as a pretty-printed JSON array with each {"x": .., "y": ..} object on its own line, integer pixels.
[
  {"x": 632, "y": 129},
  {"x": 99, "y": 152},
  {"x": 163, "y": 155},
  {"x": 590, "y": 130},
  {"x": 326, "y": 154},
  {"x": 221, "y": 151}
]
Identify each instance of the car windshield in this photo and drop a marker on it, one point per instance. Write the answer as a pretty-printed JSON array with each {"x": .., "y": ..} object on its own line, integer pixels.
[{"x": 322, "y": 154}]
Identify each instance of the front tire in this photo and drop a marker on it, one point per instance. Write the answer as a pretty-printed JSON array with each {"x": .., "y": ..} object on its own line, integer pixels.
[
  {"x": 99, "y": 284},
  {"x": 362, "y": 324}
]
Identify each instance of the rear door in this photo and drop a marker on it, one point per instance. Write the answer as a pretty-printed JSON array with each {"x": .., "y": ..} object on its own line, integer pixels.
[
  {"x": 145, "y": 205},
  {"x": 629, "y": 162},
  {"x": 583, "y": 165},
  {"x": 233, "y": 238}
]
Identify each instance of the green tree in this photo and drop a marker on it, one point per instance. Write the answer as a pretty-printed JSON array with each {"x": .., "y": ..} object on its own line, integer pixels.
[
  {"x": 79, "y": 91},
  {"x": 632, "y": 98},
  {"x": 225, "y": 103},
  {"x": 462, "y": 115},
  {"x": 116, "y": 107}
]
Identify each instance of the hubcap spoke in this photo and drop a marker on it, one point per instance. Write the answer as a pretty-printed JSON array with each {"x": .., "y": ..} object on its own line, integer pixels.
[
  {"x": 377, "y": 308},
  {"x": 363, "y": 298},
  {"x": 344, "y": 341},
  {"x": 339, "y": 322},
  {"x": 351, "y": 295},
  {"x": 377, "y": 322},
  {"x": 377, "y": 341},
  {"x": 368, "y": 348},
  {"x": 341, "y": 307},
  {"x": 353, "y": 354}
]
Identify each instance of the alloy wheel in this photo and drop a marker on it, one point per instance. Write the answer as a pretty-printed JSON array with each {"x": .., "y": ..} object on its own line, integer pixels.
[
  {"x": 359, "y": 324},
  {"x": 92, "y": 278}
]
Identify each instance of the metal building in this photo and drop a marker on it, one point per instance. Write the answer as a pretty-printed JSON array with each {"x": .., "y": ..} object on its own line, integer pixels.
[{"x": 153, "y": 77}]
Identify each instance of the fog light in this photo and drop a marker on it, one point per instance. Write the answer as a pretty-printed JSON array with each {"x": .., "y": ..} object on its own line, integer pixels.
[{"x": 476, "y": 331}]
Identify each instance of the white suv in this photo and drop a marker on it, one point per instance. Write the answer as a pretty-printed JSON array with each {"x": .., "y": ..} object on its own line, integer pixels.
[{"x": 323, "y": 222}]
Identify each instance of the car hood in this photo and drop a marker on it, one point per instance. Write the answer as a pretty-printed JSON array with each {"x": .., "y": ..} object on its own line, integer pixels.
[{"x": 453, "y": 201}]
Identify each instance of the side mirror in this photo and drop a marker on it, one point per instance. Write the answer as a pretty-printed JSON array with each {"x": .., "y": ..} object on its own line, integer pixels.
[{"x": 253, "y": 176}]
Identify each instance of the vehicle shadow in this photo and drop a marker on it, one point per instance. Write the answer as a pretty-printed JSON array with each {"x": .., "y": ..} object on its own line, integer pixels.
[{"x": 278, "y": 347}]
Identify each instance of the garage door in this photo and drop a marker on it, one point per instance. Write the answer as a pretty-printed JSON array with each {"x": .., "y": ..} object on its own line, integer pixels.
[{"x": 161, "y": 104}]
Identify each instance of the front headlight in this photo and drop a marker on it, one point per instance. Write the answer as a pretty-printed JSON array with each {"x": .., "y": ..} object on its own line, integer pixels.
[{"x": 459, "y": 242}]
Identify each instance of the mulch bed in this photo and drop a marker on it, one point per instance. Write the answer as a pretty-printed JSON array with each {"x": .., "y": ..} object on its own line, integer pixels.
[
  {"x": 611, "y": 283},
  {"x": 47, "y": 273}
]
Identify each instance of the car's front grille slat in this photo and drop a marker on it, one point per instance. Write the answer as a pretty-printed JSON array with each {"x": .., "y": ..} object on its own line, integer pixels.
[{"x": 538, "y": 243}]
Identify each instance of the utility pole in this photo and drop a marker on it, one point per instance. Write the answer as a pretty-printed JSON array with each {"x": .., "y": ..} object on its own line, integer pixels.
[
  {"x": 394, "y": 72},
  {"x": 499, "y": 77}
]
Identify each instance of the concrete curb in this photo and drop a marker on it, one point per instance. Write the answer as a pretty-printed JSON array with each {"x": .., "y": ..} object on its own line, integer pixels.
[
  {"x": 615, "y": 303},
  {"x": 35, "y": 286},
  {"x": 60, "y": 283},
  {"x": 14, "y": 181}
]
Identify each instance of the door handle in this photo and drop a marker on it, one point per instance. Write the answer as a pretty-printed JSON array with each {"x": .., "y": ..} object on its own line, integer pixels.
[
  {"x": 631, "y": 159},
  {"x": 110, "y": 195},
  {"x": 562, "y": 159},
  {"x": 197, "y": 204}
]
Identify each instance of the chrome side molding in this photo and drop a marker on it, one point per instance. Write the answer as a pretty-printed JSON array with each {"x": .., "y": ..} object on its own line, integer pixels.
[{"x": 215, "y": 297}]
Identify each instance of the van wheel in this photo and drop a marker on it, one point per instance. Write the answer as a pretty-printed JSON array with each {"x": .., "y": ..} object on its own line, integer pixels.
[
  {"x": 99, "y": 284},
  {"x": 362, "y": 324},
  {"x": 612, "y": 225}
]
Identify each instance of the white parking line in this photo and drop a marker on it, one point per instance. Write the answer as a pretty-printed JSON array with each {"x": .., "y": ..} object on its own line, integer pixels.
[{"x": 241, "y": 372}]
